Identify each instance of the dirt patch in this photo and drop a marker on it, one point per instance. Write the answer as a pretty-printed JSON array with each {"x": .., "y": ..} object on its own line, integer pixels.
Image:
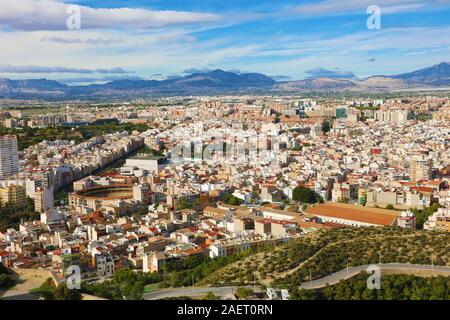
[{"x": 28, "y": 279}]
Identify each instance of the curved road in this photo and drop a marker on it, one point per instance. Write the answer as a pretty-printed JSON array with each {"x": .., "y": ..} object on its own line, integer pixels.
[
  {"x": 315, "y": 284},
  {"x": 187, "y": 291}
]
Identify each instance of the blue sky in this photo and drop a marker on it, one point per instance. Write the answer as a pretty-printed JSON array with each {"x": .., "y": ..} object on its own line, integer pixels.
[{"x": 163, "y": 38}]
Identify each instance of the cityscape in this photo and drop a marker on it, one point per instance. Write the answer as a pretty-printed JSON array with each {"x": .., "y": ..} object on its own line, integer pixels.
[{"x": 210, "y": 183}]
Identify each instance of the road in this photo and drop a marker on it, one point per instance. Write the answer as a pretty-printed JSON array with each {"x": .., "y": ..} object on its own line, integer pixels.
[
  {"x": 315, "y": 284},
  {"x": 188, "y": 291}
]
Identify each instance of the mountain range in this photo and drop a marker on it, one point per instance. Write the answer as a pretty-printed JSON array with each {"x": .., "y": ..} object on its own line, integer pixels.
[{"x": 219, "y": 81}]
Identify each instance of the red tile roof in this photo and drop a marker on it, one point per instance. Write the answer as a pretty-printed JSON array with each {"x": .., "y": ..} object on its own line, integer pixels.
[
  {"x": 354, "y": 213},
  {"x": 423, "y": 189}
]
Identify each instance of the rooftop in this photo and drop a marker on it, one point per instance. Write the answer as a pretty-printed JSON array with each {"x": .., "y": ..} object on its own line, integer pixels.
[{"x": 355, "y": 213}]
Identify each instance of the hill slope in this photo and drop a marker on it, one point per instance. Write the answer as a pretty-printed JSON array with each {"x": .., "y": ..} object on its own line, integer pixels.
[
  {"x": 329, "y": 251},
  {"x": 437, "y": 75}
]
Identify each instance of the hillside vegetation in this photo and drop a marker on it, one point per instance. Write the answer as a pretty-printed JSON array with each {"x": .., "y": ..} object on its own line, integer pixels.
[
  {"x": 393, "y": 287},
  {"x": 329, "y": 251}
]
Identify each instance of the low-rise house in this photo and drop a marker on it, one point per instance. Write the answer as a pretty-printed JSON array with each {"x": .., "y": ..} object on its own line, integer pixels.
[{"x": 438, "y": 221}]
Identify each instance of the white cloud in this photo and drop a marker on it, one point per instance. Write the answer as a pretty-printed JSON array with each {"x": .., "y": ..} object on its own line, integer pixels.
[
  {"x": 165, "y": 51},
  {"x": 52, "y": 15},
  {"x": 47, "y": 69},
  {"x": 337, "y": 7},
  {"x": 79, "y": 40},
  {"x": 174, "y": 48}
]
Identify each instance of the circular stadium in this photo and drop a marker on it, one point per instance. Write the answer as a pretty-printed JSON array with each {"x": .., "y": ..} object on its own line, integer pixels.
[
  {"x": 98, "y": 196},
  {"x": 116, "y": 191}
]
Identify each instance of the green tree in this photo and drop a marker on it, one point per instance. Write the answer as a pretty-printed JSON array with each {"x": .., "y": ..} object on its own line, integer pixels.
[
  {"x": 393, "y": 287},
  {"x": 61, "y": 292},
  {"x": 211, "y": 296},
  {"x": 305, "y": 195},
  {"x": 326, "y": 125},
  {"x": 10, "y": 216},
  {"x": 363, "y": 199},
  {"x": 423, "y": 214},
  {"x": 49, "y": 292},
  {"x": 243, "y": 293},
  {"x": 6, "y": 281},
  {"x": 343, "y": 200},
  {"x": 231, "y": 200}
]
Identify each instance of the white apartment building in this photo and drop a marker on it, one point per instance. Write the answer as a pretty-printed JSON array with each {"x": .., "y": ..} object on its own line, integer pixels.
[
  {"x": 144, "y": 162},
  {"x": 141, "y": 193},
  {"x": 105, "y": 265},
  {"x": 391, "y": 115},
  {"x": 438, "y": 221},
  {"x": 420, "y": 169},
  {"x": 43, "y": 199},
  {"x": 407, "y": 220},
  {"x": 9, "y": 156}
]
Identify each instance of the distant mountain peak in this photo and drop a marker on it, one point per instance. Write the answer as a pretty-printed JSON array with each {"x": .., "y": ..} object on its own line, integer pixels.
[
  {"x": 436, "y": 75},
  {"x": 219, "y": 77},
  {"x": 220, "y": 71},
  {"x": 219, "y": 81}
]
